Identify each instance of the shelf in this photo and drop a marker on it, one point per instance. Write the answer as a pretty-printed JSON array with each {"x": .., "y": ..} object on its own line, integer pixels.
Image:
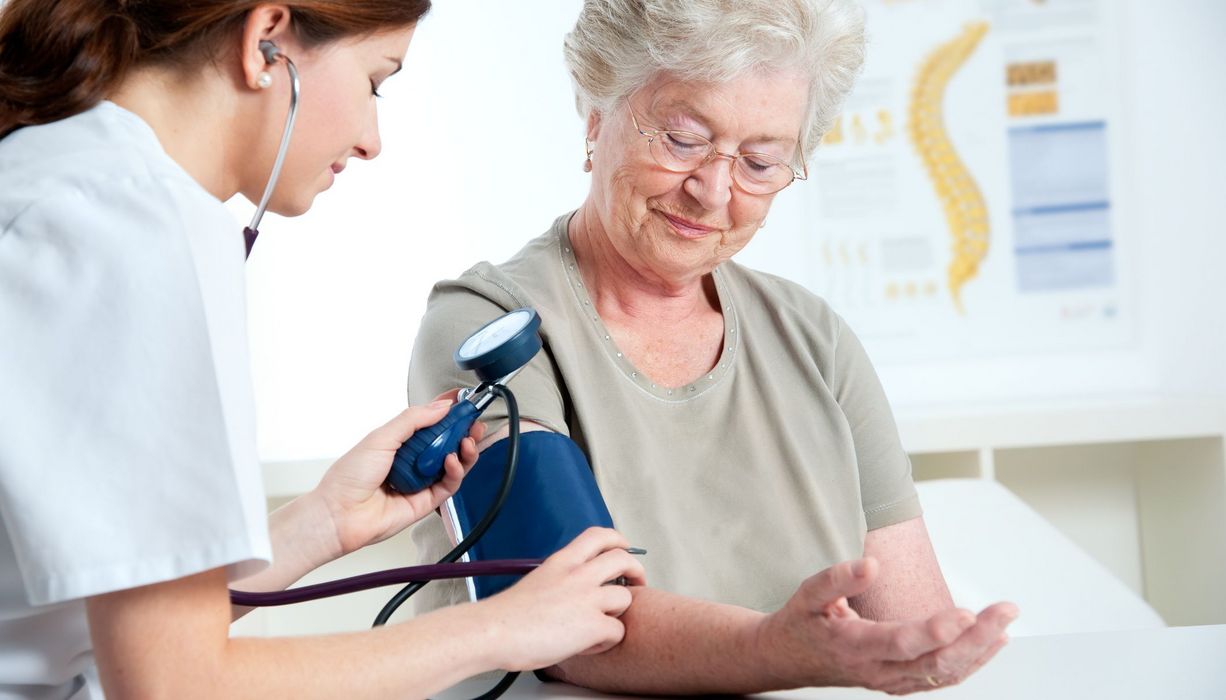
[{"x": 970, "y": 427}]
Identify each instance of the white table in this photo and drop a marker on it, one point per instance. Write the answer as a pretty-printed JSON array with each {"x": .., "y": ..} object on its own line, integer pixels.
[{"x": 1188, "y": 663}]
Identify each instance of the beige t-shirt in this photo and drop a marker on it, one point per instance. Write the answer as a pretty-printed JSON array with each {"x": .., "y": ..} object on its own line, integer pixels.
[{"x": 762, "y": 472}]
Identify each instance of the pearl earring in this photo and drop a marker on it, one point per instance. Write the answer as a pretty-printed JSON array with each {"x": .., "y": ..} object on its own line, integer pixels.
[
  {"x": 587, "y": 164},
  {"x": 263, "y": 80}
]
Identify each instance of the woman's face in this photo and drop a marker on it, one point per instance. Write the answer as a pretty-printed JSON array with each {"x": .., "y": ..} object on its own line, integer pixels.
[
  {"x": 337, "y": 116},
  {"x": 676, "y": 226}
]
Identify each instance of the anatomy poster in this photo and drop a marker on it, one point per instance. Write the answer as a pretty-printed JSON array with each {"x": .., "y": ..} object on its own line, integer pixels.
[{"x": 966, "y": 202}]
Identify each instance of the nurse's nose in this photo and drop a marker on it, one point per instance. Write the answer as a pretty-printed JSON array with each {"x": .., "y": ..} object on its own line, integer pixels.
[{"x": 370, "y": 145}]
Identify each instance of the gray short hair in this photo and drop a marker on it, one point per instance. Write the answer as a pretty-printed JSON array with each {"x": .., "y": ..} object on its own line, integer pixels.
[{"x": 618, "y": 46}]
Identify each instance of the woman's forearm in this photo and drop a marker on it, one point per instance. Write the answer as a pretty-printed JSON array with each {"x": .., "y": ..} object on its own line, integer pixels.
[
  {"x": 303, "y": 538},
  {"x": 910, "y": 584},
  {"x": 675, "y": 644}
]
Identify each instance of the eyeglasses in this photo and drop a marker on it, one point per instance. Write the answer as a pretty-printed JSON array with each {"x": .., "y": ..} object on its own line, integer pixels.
[{"x": 685, "y": 152}]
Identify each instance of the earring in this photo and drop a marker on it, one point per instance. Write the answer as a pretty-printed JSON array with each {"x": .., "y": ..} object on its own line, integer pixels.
[
  {"x": 263, "y": 80},
  {"x": 587, "y": 164}
]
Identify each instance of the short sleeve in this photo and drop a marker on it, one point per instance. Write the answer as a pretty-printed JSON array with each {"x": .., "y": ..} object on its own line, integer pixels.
[
  {"x": 887, "y": 491},
  {"x": 458, "y": 308},
  {"x": 115, "y": 464}
]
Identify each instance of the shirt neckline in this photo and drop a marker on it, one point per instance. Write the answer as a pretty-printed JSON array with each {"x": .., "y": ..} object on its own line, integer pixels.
[
  {"x": 143, "y": 131},
  {"x": 133, "y": 121},
  {"x": 583, "y": 302}
]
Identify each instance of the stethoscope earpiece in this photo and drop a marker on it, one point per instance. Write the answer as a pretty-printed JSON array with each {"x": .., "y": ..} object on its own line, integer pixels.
[{"x": 270, "y": 51}]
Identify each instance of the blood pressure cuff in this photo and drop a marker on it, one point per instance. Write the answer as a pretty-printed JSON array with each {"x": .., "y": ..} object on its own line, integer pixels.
[{"x": 552, "y": 500}]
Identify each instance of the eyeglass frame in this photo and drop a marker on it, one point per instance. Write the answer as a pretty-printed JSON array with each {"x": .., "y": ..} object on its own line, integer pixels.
[{"x": 651, "y": 136}]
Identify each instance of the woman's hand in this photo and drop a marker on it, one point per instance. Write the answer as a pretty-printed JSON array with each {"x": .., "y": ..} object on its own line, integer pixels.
[
  {"x": 362, "y": 510},
  {"x": 566, "y": 607},
  {"x": 817, "y": 639}
]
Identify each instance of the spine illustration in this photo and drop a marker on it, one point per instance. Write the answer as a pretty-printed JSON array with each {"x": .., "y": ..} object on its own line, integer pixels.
[{"x": 965, "y": 210}]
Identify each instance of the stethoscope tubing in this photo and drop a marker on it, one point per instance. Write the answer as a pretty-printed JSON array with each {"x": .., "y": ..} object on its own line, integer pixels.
[
  {"x": 295, "y": 85},
  {"x": 406, "y": 574}
]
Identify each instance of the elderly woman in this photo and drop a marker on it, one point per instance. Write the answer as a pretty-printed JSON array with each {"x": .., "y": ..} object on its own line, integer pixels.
[{"x": 732, "y": 420}]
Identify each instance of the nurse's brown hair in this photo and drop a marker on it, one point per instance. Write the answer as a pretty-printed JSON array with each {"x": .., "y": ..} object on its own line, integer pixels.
[{"x": 61, "y": 57}]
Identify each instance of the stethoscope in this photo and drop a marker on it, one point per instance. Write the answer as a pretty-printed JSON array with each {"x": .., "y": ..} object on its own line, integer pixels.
[
  {"x": 271, "y": 54},
  {"x": 496, "y": 352}
]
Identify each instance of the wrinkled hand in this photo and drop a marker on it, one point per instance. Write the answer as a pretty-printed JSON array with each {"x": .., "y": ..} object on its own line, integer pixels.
[
  {"x": 817, "y": 639},
  {"x": 564, "y": 608},
  {"x": 363, "y": 511}
]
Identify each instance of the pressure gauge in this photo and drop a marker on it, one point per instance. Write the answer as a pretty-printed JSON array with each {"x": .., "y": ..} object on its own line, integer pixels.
[
  {"x": 501, "y": 346},
  {"x": 494, "y": 352}
]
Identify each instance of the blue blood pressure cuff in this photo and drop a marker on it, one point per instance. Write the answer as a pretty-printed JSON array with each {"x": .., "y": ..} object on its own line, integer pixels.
[{"x": 552, "y": 500}]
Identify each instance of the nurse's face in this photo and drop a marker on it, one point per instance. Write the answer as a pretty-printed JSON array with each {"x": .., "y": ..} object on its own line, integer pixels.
[{"x": 337, "y": 115}]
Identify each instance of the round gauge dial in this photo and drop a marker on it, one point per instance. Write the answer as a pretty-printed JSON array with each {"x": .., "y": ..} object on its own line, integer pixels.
[{"x": 501, "y": 346}]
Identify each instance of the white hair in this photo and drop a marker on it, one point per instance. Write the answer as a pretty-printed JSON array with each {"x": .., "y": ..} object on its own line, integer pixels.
[{"x": 618, "y": 46}]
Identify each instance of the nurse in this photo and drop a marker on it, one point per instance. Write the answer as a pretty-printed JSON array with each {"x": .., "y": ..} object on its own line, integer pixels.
[{"x": 130, "y": 488}]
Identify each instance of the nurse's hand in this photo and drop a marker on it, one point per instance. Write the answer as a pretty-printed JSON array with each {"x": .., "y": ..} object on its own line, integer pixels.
[
  {"x": 567, "y": 606},
  {"x": 362, "y": 510}
]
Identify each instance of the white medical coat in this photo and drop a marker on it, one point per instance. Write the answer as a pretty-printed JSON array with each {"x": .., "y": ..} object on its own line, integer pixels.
[{"x": 127, "y": 423}]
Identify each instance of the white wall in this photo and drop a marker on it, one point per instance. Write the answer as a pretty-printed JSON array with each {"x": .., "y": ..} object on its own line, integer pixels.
[
  {"x": 483, "y": 149},
  {"x": 1177, "y": 101}
]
